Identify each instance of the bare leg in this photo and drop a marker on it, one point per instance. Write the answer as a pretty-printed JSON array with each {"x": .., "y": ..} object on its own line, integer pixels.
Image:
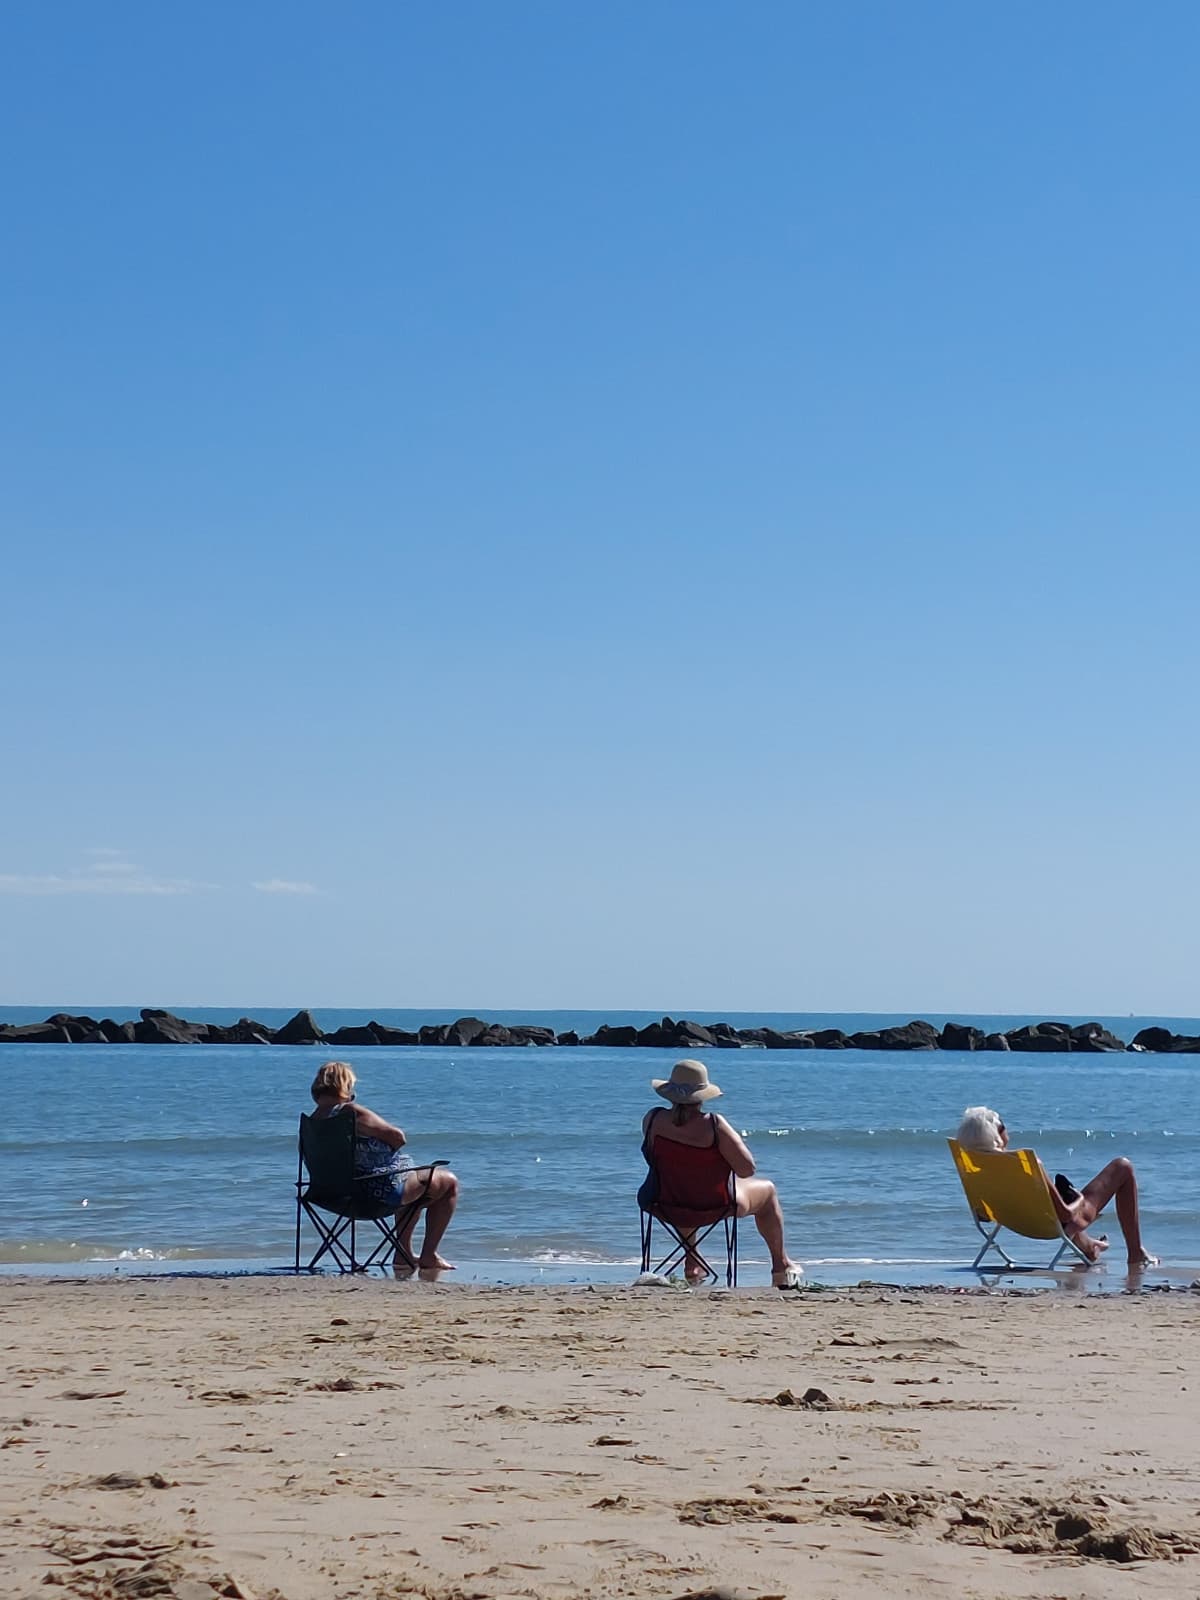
[
  {"x": 756, "y": 1197},
  {"x": 694, "y": 1269},
  {"x": 406, "y": 1232},
  {"x": 414, "y": 1188},
  {"x": 1117, "y": 1181},
  {"x": 1093, "y": 1248},
  {"x": 439, "y": 1208},
  {"x": 440, "y": 1199}
]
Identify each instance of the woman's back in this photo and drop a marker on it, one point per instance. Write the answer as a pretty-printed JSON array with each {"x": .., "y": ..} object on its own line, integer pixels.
[
  {"x": 690, "y": 1171},
  {"x": 372, "y": 1156}
]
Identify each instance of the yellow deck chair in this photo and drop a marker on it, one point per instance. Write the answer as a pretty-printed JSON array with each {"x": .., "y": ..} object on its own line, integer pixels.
[{"x": 1006, "y": 1189}]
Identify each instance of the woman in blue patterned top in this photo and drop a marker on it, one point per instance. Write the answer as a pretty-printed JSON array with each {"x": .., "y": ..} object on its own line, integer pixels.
[{"x": 384, "y": 1170}]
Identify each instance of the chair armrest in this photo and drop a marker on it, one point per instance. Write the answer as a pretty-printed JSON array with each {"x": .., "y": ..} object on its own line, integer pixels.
[{"x": 425, "y": 1166}]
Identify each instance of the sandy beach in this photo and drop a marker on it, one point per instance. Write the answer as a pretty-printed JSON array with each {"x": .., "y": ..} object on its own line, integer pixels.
[{"x": 328, "y": 1439}]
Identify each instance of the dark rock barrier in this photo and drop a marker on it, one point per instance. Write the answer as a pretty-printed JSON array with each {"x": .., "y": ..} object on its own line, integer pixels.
[{"x": 163, "y": 1027}]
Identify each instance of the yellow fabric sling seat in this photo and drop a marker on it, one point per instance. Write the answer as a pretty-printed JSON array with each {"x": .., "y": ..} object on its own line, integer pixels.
[{"x": 1007, "y": 1189}]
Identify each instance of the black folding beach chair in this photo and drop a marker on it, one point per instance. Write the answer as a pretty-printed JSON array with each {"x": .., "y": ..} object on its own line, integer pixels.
[
  {"x": 687, "y": 1210},
  {"x": 332, "y": 1199}
]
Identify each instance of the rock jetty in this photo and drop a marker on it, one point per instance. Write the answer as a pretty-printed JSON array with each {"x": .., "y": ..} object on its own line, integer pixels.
[{"x": 163, "y": 1027}]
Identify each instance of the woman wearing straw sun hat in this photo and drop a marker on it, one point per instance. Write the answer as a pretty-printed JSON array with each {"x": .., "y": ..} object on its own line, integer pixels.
[{"x": 688, "y": 1124}]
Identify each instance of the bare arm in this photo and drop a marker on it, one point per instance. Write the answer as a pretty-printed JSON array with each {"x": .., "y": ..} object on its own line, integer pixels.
[
  {"x": 373, "y": 1127},
  {"x": 734, "y": 1148},
  {"x": 1066, "y": 1211}
]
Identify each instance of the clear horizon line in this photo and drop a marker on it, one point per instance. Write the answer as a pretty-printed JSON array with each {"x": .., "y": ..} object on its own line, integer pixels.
[{"x": 678, "y": 1014}]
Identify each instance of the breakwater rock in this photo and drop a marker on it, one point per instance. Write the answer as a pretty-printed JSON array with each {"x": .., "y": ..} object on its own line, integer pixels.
[{"x": 163, "y": 1027}]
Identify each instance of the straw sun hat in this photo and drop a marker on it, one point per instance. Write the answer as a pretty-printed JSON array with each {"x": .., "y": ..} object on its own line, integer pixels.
[{"x": 688, "y": 1084}]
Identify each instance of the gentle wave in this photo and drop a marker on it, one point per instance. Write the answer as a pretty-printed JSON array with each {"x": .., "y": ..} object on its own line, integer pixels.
[
  {"x": 65, "y": 1251},
  {"x": 880, "y": 1261},
  {"x": 573, "y": 1258},
  {"x": 863, "y": 1138},
  {"x": 259, "y": 1150}
]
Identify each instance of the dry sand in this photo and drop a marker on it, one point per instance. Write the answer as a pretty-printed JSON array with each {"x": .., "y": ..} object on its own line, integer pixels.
[{"x": 320, "y": 1439}]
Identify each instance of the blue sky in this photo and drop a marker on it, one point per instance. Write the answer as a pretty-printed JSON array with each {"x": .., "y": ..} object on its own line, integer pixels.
[{"x": 533, "y": 505}]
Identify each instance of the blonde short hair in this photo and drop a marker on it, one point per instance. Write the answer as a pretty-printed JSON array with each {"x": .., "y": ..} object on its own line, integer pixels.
[
  {"x": 335, "y": 1077},
  {"x": 980, "y": 1129}
]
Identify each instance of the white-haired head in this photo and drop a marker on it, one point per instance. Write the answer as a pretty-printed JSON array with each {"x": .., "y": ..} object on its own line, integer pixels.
[{"x": 981, "y": 1128}]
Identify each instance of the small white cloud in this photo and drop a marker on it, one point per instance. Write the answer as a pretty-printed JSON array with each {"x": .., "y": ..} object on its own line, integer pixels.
[
  {"x": 79, "y": 883},
  {"x": 284, "y": 886},
  {"x": 108, "y": 871}
]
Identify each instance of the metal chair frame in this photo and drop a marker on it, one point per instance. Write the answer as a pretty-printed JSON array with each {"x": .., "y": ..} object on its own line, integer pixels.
[
  {"x": 339, "y": 1199},
  {"x": 991, "y": 1242},
  {"x": 687, "y": 1241}
]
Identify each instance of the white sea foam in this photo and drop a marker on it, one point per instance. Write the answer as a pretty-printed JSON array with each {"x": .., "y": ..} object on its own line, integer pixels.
[
  {"x": 577, "y": 1258},
  {"x": 879, "y": 1261}
]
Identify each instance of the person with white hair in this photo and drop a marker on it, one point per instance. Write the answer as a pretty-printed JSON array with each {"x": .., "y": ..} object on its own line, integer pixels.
[{"x": 982, "y": 1128}]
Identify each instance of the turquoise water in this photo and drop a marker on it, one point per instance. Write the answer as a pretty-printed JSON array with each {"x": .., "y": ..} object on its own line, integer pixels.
[{"x": 187, "y": 1155}]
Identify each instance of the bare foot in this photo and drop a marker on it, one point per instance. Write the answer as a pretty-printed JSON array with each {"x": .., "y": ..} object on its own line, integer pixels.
[
  {"x": 1093, "y": 1249},
  {"x": 1143, "y": 1259},
  {"x": 435, "y": 1263}
]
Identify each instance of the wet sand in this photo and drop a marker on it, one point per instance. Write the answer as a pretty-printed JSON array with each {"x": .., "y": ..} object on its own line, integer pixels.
[{"x": 322, "y": 1439}]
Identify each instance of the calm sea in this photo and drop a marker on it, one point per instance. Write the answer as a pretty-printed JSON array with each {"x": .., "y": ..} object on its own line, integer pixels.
[{"x": 128, "y": 1157}]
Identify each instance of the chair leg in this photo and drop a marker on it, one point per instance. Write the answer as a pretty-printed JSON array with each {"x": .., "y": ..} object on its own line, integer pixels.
[
  {"x": 676, "y": 1253},
  {"x": 331, "y": 1240},
  {"x": 684, "y": 1245},
  {"x": 388, "y": 1243},
  {"x": 687, "y": 1245},
  {"x": 990, "y": 1242},
  {"x": 339, "y": 1240},
  {"x": 329, "y": 1245},
  {"x": 337, "y": 1249},
  {"x": 299, "y": 1192},
  {"x": 302, "y": 1206},
  {"x": 354, "y": 1266}
]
